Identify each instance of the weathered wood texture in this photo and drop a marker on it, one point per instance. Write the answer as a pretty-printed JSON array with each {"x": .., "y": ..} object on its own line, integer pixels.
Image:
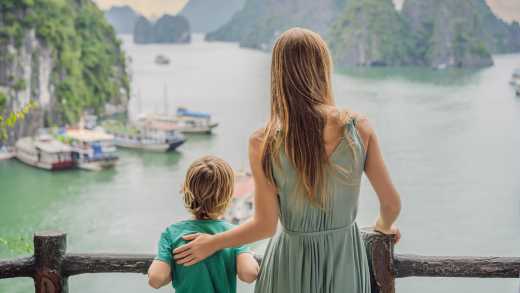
[
  {"x": 380, "y": 252},
  {"x": 450, "y": 266},
  {"x": 50, "y": 266},
  {"x": 75, "y": 264},
  {"x": 49, "y": 252},
  {"x": 21, "y": 267}
]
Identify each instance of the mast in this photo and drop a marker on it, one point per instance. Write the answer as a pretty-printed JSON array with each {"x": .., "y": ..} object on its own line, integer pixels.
[{"x": 165, "y": 100}]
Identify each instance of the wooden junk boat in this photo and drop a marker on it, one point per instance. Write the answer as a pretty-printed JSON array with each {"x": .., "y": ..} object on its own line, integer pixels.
[
  {"x": 45, "y": 152},
  {"x": 185, "y": 121},
  {"x": 145, "y": 135},
  {"x": 92, "y": 150}
]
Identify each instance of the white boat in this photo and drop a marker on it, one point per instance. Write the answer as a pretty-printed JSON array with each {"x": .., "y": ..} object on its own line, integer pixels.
[
  {"x": 515, "y": 81},
  {"x": 92, "y": 150},
  {"x": 185, "y": 121},
  {"x": 162, "y": 60},
  {"x": 241, "y": 206},
  {"x": 145, "y": 135},
  {"x": 45, "y": 152}
]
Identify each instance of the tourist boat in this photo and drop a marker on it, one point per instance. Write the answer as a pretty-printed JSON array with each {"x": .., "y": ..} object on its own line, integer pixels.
[
  {"x": 162, "y": 60},
  {"x": 92, "y": 150},
  {"x": 241, "y": 206},
  {"x": 145, "y": 135},
  {"x": 6, "y": 153},
  {"x": 185, "y": 121},
  {"x": 45, "y": 152},
  {"x": 515, "y": 81}
]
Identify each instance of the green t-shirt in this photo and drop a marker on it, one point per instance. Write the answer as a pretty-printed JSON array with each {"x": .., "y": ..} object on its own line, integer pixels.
[{"x": 216, "y": 274}]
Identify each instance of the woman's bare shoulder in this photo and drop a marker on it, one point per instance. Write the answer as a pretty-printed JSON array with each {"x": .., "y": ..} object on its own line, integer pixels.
[{"x": 363, "y": 125}]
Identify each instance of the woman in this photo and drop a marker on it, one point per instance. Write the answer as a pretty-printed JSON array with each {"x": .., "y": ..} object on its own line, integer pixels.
[{"x": 307, "y": 165}]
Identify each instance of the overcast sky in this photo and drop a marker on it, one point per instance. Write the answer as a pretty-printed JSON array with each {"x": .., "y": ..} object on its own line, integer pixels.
[
  {"x": 149, "y": 8},
  {"x": 507, "y": 9}
]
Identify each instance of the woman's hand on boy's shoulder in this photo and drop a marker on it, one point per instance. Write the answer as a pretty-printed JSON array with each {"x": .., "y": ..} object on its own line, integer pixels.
[{"x": 198, "y": 249}]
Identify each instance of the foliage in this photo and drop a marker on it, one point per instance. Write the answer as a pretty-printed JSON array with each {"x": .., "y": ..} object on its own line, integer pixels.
[
  {"x": 90, "y": 65},
  {"x": 19, "y": 85},
  {"x": 374, "y": 25},
  {"x": 12, "y": 118},
  {"x": 17, "y": 245},
  {"x": 3, "y": 101}
]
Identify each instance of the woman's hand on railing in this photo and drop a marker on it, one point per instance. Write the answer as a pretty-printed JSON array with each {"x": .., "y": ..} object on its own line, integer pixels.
[
  {"x": 388, "y": 230},
  {"x": 200, "y": 247}
]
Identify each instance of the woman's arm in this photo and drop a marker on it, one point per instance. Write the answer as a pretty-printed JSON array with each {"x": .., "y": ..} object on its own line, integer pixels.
[
  {"x": 247, "y": 267},
  {"x": 159, "y": 274},
  {"x": 262, "y": 225},
  {"x": 377, "y": 173}
]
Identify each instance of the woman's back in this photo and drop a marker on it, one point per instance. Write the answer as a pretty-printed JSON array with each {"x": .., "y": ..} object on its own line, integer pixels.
[
  {"x": 319, "y": 248},
  {"x": 342, "y": 181}
]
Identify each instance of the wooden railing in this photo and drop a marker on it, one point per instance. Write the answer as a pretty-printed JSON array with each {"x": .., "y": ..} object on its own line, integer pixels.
[{"x": 50, "y": 266}]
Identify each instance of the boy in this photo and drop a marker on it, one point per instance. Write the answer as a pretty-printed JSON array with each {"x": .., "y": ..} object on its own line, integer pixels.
[{"x": 207, "y": 191}]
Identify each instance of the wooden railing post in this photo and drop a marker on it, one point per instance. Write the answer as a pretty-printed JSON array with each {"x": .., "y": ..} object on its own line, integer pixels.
[
  {"x": 380, "y": 253},
  {"x": 49, "y": 252}
]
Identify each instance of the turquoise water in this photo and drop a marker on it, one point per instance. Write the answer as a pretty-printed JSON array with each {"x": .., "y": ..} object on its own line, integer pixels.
[{"x": 451, "y": 140}]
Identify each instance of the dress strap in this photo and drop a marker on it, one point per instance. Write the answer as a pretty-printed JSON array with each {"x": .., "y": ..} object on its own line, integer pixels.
[{"x": 352, "y": 132}]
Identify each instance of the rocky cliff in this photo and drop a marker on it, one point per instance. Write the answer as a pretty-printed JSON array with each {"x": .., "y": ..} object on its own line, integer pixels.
[
  {"x": 370, "y": 33},
  {"x": 459, "y": 33},
  {"x": 61, "y": 54},
  {"x": 434, "y": 33},
  {"x": 122, "y": 18},
  {"x": 167, "y": 29},
  {"x": 205, "y": 16},
  {"x": 259, "y": 22}
]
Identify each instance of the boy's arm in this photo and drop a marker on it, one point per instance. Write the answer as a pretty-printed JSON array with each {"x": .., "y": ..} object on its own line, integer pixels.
[
  {"x": 247, "y": 267},
  {"x": 159, "y": 274}
]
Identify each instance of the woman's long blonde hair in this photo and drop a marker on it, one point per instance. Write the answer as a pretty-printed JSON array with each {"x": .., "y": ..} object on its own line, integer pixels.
[{"x": 300, "y": 88}]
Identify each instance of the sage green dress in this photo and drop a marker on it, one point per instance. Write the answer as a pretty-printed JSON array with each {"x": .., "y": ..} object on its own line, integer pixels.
[{"x": 319, "y": 250}]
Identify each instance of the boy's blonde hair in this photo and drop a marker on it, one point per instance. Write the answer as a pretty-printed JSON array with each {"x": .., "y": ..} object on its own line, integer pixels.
[{"x": 208, "y": 187}]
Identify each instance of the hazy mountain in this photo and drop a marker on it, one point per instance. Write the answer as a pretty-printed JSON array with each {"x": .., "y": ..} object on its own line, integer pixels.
[
  {"x": 122, "y": 18},
  {"x": 167, "y": 29},
  {"x": 370, "y": 33},
  {"x": 208, "y": 15},
  {"x": 259, "y": 22},
  {"x": 436, "y": 33}
]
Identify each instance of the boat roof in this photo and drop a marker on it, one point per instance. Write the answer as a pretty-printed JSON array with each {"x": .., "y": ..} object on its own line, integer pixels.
[
  {"x": 158, "y": 124},
  {"x": 195, "y": 114},
  {"x": 45, "y": 143},
  {"x": 88, "y": 135}
]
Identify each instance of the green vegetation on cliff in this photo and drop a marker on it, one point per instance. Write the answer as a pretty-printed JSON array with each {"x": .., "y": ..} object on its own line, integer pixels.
[
  {"x": 433, "y": 33},
  {"x": 260, "y": 22},
  {"x": 88, "y": 63},
  {"x": 370, "y": 33}
]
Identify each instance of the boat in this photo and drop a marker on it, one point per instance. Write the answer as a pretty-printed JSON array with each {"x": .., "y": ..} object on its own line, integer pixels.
[
  {"x": 162, "y": 60},
  {"x": 92, "y": 150},
  {"x": 241, "y": 206},
  {"x": 515, "y": 81},
  {"x": 185, "y": 121},
  {"x": 145, "y": 135},
  {"x": 45, "y": 152},
  {"x": 6, "y": 153}
]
